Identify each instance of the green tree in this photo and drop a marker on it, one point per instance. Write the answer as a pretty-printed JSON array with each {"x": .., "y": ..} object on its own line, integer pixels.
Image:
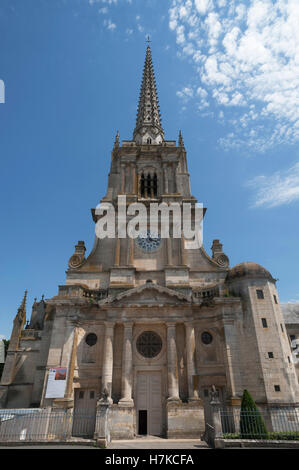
[
  {"x": 252, "y": 425},
  {"x": 6, "y": 344}
]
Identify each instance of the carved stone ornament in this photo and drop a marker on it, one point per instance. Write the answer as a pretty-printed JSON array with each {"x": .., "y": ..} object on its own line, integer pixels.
[
  {"x": 222, "y": 260},
  {"x": 78, "y": 257},
  {"x": 75, "y": 261}
]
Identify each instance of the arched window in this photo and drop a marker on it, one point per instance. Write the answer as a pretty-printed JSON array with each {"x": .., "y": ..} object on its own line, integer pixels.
[
  {"x": 155, "y": 185},
  {"x": 148, "y": 185},
  {"x": 142, "y": 186}
]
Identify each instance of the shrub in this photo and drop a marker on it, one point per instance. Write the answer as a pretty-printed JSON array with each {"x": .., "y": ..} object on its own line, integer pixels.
[{"x": 252, "y": 425}]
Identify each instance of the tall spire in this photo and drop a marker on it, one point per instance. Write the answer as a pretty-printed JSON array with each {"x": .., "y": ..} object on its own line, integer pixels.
[
  {"x": 148, "y": 123},
  {"x": 22, "y": 307},
  {"x": 181, "y": 141},
  {"x": 21, "y": 315}
]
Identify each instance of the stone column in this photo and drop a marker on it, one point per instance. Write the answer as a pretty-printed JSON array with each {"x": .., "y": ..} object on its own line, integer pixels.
[
  {"x": 173, "y": 168},
  {"x": 117, "y": 252},
  {"x": 123, "y": 178},
  {"x": 176, "y": 178},
  {"x": 130, "y": 252},
  {"x": 183, "y": 253},
  {"x": 190, "y": 350},
  {"x": 173, "y": 384},
  {"x": 127, "y": 369},
  {"x": 134, "y": 180},
  {"x": 165, "y": 173},
  {"x": 107, "y": 368},
  {"x": 71, "y": 368},
  {"x": 231, "y": 355},
  {"x": 169, "y": 253}
]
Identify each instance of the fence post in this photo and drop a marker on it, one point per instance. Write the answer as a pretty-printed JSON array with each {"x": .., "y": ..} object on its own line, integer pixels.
[
  {"x": 47, "y": 413},
  {"x": 216, "y": 418},
  {"x": 69, "y": 412},
  {"x": 102, "y": 432},
  {"x": 216, "y": 421}
]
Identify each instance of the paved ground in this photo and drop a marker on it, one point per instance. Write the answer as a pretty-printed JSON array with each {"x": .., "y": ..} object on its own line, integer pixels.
[
  {"x": 158, "y": 443},
  {"x": 50, "y": 446},
  {"x": 140, "y": 443}
]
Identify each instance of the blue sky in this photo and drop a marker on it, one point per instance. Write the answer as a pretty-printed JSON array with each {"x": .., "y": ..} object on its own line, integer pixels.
[{"x": 227, "y": 75}]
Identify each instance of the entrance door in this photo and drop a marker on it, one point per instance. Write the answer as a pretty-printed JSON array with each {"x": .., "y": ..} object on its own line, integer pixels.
[
  {"x": 84, "y": 415},
  {"x": 149, "y": 403}
]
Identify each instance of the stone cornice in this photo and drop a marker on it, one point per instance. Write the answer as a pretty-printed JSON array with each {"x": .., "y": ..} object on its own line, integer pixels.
[{"x": 142, "y": 288}]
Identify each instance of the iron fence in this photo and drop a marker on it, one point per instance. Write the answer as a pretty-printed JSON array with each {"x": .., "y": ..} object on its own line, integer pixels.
[
  {"x": 44, "y": 424},
  {"x": 267, "y": 423}
]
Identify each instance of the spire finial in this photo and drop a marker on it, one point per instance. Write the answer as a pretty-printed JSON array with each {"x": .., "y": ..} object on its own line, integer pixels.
[
  {"x": 148, "y": 39},
  {"x": 181, "y": 142},
  {"x": 116, "y": 142}
]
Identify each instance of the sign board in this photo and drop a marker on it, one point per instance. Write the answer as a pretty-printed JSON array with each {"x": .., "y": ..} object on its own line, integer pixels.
[
  {"x": 2, "y": 352},
  {"x": 56, "y": 383}
]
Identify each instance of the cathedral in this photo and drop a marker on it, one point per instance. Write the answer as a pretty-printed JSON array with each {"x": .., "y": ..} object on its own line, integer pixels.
[{"x": 148, "y": 326}]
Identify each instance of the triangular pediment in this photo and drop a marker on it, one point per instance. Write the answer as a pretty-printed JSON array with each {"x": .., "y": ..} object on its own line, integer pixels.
[{"x": 147, "y": 294}]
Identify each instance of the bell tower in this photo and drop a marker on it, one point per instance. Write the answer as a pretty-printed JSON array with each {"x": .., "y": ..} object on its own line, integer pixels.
[
  {"x": 148, "y": 166},
  {"x": 150, "y": 170}
]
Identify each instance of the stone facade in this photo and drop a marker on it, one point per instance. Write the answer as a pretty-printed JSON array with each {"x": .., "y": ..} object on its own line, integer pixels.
[{"x": 145, "y": 334}]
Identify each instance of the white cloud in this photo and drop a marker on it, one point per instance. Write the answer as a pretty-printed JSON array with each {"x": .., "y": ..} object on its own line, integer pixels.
[
  {"x": 92, "y": 2},
  {"x": 201, "y": 92},
  {"x": 275, "y": 190},
  {"x": 109, "y": 25},
  {"x": 245, "y": 55},
  {"x": 203, "y": 6},
  {"x": 2, "y": 337},
  {"x": 185, "y": 93},
  {"x": 180, "y": 36}
]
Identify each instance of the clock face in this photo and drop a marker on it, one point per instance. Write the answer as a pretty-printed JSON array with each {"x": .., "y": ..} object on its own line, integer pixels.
[{"x": 149, "y": 241}]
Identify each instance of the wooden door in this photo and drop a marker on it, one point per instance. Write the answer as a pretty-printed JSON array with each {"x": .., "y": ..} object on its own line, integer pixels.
[
  {"x": 84, "y": 415},
  {"x": 149, "y": 403}
]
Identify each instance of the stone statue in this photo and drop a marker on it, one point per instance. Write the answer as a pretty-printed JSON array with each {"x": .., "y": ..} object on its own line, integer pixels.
[
  {"x": 214, "y": 395},
  {"x": 104, "y": 395}
]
